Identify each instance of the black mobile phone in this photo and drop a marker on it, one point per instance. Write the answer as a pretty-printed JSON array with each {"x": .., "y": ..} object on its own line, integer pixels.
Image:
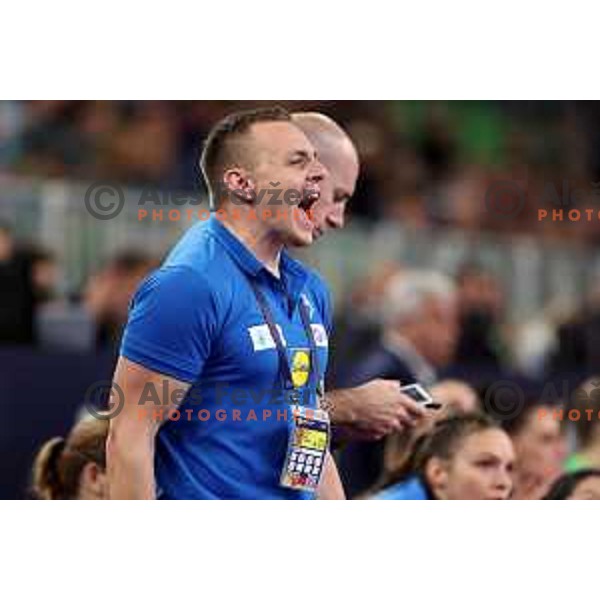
[{"x": 418, "y": 393}]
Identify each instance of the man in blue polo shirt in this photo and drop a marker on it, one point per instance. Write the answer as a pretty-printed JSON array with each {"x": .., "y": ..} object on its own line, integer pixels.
[{"x": 224, "y": 353}]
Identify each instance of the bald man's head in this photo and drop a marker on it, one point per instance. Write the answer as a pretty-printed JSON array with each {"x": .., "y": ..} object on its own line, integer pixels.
[{"x": 339, "y": 156}]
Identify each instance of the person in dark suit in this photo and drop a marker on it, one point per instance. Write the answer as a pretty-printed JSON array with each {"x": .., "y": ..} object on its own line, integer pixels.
[
  {"x": 17, "y": 299},
  {"x": 420, "y": 330}
]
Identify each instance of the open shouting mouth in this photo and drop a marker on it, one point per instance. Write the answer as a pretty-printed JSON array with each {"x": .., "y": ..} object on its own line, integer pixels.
[{"x": 310, "y": 196}]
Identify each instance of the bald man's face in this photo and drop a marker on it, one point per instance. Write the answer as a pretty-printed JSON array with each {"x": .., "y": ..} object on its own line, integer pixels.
[{"x": 337, "y": 187}]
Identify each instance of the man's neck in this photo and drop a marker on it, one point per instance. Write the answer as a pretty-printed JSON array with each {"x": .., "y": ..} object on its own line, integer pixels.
[{"x": 264, "y": 244}]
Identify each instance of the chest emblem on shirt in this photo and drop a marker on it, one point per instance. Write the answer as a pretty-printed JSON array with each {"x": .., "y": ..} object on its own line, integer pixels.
[
  {"x": 262, "y": 339},
  {"x": 300, "y": 366}
]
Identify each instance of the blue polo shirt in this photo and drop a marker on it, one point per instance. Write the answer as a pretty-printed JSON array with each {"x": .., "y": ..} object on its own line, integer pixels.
[
  {"x": 197, "y": 319},
  {"x": 408, "y": 489}
]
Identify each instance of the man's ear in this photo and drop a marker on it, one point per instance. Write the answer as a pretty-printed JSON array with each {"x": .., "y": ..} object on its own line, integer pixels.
[
  {"x": 436, "y": 475},
  {"x": 238, "y": 182}
]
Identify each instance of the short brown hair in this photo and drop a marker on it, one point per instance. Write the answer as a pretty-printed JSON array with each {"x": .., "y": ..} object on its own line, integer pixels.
[{"x": 219, "y": 149}]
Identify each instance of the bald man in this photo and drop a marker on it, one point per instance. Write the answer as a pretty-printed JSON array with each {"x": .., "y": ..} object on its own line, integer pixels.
[
  {"x": 339, "y": 156},
  {"x": 377, "y": 408}
]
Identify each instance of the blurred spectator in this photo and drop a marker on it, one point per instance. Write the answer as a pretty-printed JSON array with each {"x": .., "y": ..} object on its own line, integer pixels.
[
  {"x": 371, "y": 141},
  {"x": 465, "y": 457},
  {"x": 145, "y": 147},
  {"x": 578, "y": 339},
  {"x": 108, "y": 293},
  {"x": 480, "y": 304},
  {"x": 535, "y": 340},
  {"x": 44, "y": 140},
  {"x": 73, "y": 469},
  {"x": 96, "y": 125},
  {"x": 419, "y": 316},
  {"x": 59, "y": 324},
  {"x": 571, "y": 353},
  {"x": 419, "y": 336},
  {"x": 586, "y": 401},
  {"x": 456, "y": 397},
  {"x": 462, "y": 199},
  {"x": 44, "y": 274},
  {"x": 17, "y": 294},
  {"x": 438, "y": 143},
  {"x": 582, "y": 485},
  {"x": 540, "y": 448},
  {"x": 11, "y": 129},
  {"x": 358, "y": 324},
  {"x": 404, "y": 187}
]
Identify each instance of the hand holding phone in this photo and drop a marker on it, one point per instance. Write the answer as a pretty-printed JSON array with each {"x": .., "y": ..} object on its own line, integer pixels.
[{"x": 419, "y": 394}]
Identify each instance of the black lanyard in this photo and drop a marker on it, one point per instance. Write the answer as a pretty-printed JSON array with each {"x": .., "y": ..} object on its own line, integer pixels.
[{"x": 284, "y": 364}]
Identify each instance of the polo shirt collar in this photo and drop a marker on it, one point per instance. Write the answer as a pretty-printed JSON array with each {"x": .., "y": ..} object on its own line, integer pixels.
[
  {"x": 238, "y": 251},
  {"x": 293, "y": 273},
  {"x": 294, "y": 276}
]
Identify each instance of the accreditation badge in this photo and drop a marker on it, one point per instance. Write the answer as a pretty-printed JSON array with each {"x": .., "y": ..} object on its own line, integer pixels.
[{"x": 307, "y": 449}]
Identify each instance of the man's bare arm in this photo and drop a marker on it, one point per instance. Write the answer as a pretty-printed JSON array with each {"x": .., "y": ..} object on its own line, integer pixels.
[
  {"x": 130, "y": 443},
  {"x": 373, "y": 410}
]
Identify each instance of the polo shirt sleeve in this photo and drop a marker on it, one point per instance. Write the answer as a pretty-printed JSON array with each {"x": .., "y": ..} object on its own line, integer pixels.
[
  {"x": 328, "y": 311},
  {"x": 172, "y": 324}
]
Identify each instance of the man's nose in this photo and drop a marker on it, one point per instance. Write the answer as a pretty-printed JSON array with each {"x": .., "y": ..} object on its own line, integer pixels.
[
  {"x": 317, "y": 172},
  {"x": 335, "y": 219},
  {"x": 504, "y": 481}
]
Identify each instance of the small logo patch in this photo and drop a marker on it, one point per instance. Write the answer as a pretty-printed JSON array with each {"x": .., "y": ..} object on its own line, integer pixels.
[
  {"x": 262, "y": 339},
  {"x": 320, "y": 335}
]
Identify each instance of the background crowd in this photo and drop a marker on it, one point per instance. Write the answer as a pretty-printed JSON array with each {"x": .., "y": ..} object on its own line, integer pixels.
[{"x": 424, "y": 164}]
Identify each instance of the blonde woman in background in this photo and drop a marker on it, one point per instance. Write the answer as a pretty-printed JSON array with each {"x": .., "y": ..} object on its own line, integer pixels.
[{"x": 73, "y": 468}]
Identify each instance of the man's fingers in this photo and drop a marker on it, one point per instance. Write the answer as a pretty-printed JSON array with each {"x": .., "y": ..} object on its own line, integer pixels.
[
  {"x": 413, "y": 407},
  {"x": 399, "y": 418},
  {"x": 402, "y": 419}
]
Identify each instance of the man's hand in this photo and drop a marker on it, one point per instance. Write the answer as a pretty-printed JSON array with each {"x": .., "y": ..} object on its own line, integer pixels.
[{"x": 374, "y": 409}]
